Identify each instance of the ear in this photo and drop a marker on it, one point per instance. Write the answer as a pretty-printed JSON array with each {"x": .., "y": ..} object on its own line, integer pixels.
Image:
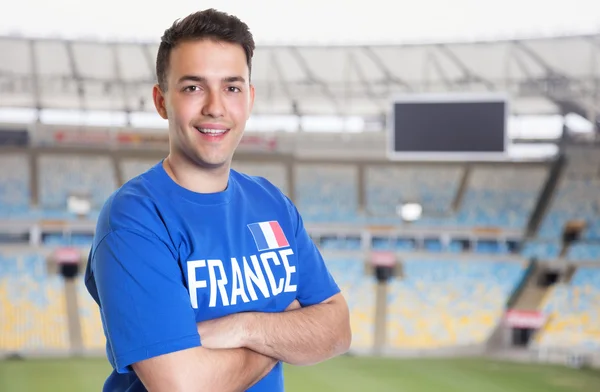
[{"x": 159, "y": 101}]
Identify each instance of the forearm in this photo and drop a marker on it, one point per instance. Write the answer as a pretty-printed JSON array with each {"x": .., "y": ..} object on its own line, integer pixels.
[
  {"x": 236, "y": 369},
  {"x": 202, "y": 369},
  {"x": 301, "y": 337}
]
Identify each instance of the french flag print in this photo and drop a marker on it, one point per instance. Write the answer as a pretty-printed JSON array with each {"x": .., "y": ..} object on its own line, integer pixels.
[{"x": 268, "y": 235}]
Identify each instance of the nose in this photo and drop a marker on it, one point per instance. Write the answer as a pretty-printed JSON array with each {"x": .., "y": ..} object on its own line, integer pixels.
[{"x": 213, "y": 106}]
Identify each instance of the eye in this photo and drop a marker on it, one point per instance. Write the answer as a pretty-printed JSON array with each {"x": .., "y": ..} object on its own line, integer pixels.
[
  {"x": 233, "y": 89},
  {"x": 191, "y": 89}
]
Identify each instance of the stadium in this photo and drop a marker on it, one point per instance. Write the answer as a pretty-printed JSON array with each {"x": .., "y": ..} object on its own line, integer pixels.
[{"x": 468, "y": 248}]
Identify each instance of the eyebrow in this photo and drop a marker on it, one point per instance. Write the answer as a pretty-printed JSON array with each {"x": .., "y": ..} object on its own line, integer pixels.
[{"x": 201, "y": 79}]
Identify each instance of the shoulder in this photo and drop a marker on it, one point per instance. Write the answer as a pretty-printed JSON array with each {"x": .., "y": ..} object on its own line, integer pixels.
[
  {"x": 267, "y": 192},
  {"x": 134, "y": 207},
  {"x": 259, "y": 186}
]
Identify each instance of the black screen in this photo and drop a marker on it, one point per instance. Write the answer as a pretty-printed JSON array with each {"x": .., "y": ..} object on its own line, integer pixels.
[
  {"x": 449, "y": 127},
  {"x": 14, "y": 138}
]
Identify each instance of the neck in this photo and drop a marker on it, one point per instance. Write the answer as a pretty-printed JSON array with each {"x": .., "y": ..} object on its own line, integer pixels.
[{"x": 194, "y": 178}]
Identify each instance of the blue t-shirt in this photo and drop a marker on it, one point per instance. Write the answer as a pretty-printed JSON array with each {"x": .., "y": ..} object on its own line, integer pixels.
[{"x": 164, "y": 258}]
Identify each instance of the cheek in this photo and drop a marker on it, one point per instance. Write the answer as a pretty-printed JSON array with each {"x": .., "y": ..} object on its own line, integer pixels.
[
  {"x": 239, "y": 111},
  {"x": 182, "y": 111}
]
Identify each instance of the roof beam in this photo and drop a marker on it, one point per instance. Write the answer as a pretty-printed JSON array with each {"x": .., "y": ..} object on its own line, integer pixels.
[
  {"x": 468, "y": 74},
  {"x": 389, "y": 76},
  {"x": 537, "y": 58},
  {"x": 124, "y": 86},
  {"x": 439, "y": 69},
  {"x": 37, "y": 97},
  {"x": 149, "y": 61},
  {"x": 285, "y": 86},
  {"x": 518, "y": 57},
  {"x": 76, "y": 75},
  {"x": 363, "y": 80},
  {"x": 594, "y": 114},
  {"x": 566, "y": 104},
  {"x": 313, "y": 79}
]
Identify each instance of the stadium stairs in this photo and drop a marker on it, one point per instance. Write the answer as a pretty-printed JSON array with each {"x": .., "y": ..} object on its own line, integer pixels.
[
  {"x": 532, "y": 293},
  {"x": 573, "y": 312},
  {"x": 462, "y": 188},
  {"x": 545, "y": 198}
]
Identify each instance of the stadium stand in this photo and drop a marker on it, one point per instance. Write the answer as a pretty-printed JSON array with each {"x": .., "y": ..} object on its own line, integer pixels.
[
  {"x": 340, "y": 243},
  {"x": 63, "y": 175},
  {"x": 32, "y": 306},
  {"x": 582, "y": 251},
  {"x": 131, "y": 167},
  {"x": 573, "y": 311},
  {"x": 327, "y": 194},
  {"x": 89, "y": 317},
  {"x": 274, "y": 172},
  {"x": 14, "y": 185},
  {"x": 444, "y": 303},
  {"x": 575, "y": 199},
  {"x": 542, "y": 250},
  {"x": 388, "y": 186},
  {"x": 501, "y": 196},
  {"x": 360, "y": 292}
]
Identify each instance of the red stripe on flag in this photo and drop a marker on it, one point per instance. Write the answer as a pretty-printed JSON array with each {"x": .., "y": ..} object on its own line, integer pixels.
[{"x": 279, "y": 236}]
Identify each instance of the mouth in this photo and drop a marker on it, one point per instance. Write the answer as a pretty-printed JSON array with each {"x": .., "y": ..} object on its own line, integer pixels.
[{"x": 212, "y": 131}]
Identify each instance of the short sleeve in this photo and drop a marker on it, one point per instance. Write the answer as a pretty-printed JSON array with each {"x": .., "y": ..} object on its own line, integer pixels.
[
  {"x": 144, "y": 303},
  {"x": 316, "y": 283}
]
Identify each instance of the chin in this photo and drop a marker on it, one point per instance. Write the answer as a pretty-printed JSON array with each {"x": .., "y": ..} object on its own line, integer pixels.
[{"x": 212, "y": 163}]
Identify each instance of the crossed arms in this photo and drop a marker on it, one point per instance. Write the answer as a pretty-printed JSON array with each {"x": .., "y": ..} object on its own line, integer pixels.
[{"x": 240, "y": 349}]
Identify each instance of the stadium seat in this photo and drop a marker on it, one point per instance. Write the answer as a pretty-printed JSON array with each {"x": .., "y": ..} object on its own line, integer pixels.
[
  {"x": 592, "y": 230},
  {"x": 573, "y": 311},
  {"x": 575, "y": 199},
  {"x": 131, "y": 168},
  {"x": 61, "y": 175},
  {"x": 276, "y": 173},
  {"x": 501, "y": 196},
  {"x": 389, "y": 186},
  {"x": 542, "y": 250},
  {"x": 583, "y": 251},
  {"x": 448, "y": 303},
  {"x": 32, "y": 305},
  {"x": 14, "y": 185},
  {"x": 89, "y": 317},
  {"x": 327, "y": 194},
  {"x": 359, "y": 291}
]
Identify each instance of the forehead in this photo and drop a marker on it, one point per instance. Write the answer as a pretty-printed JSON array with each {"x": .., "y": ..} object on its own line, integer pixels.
[{"x": 208, "y": 58}]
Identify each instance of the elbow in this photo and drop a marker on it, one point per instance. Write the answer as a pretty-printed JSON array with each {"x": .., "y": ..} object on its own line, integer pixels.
[
  {"x": 344, "y": 339},
  {"x": 339, "y": 344},
  {"x": 340, "y": 341},
  {"x": 344, "y": 333}
]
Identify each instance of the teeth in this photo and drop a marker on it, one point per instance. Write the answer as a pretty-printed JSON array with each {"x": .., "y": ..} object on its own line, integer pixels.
[{"x": 212, "y": 131}]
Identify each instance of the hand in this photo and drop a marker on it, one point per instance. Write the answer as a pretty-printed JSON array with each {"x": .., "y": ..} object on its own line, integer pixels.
[
  {"x": 222, "y": 333},
  {"x": 229, "y": 331},
  {"x": 293, "y": 306}
]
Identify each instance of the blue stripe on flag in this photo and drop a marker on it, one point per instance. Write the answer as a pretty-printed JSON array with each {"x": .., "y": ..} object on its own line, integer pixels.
[{"x": 259, "y": 237}]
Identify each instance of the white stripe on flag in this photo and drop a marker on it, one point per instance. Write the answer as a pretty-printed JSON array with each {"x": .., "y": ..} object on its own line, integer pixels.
[{"x": 269, "y": 235}]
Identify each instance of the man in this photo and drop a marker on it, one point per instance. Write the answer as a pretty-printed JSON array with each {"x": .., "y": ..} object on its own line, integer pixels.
[{"x": 205, "y": 278}]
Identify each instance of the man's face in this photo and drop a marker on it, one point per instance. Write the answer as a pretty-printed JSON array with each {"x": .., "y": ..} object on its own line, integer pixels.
[{"x": 207, "y": 102}]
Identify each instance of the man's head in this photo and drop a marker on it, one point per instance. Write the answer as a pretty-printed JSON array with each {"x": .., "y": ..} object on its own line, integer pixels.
[{"x": 203, "y": 69}]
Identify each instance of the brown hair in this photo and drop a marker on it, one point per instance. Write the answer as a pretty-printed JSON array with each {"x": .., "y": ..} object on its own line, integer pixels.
[{"x": 207, "y": 24}]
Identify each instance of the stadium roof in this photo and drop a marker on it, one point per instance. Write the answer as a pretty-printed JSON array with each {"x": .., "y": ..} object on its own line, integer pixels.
[{"x": 543, "y": 76}]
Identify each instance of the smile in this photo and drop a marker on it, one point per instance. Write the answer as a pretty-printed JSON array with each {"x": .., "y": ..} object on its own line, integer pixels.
[{"x": 215, "y": 132}]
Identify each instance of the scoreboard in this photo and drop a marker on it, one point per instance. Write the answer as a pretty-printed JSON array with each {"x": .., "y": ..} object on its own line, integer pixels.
[{"x": 462, "y": 126}]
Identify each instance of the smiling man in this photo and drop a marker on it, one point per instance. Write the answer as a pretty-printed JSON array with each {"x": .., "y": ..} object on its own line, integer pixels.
[{"x": 206, "y": 278}]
